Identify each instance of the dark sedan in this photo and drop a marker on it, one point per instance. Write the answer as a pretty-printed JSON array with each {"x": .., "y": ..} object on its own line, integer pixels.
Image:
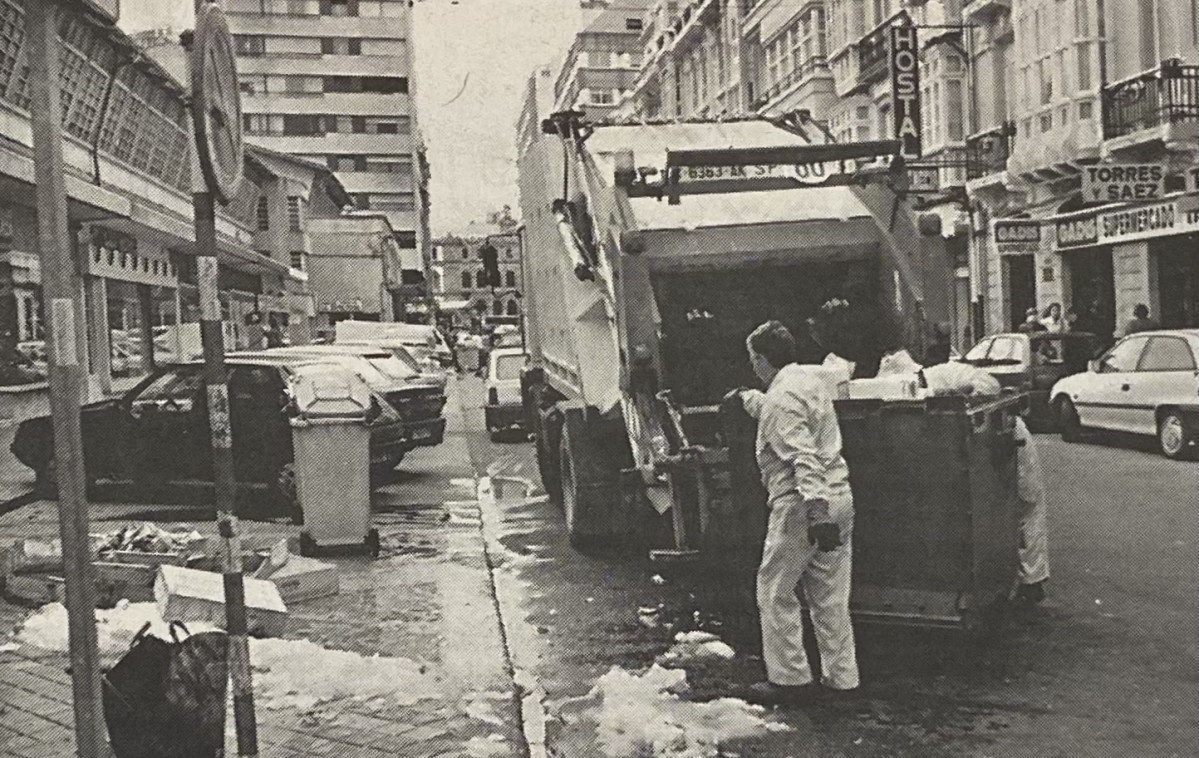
[
  {"x": 1033, "y": 363},
  {"x": 157, "y": 433}
]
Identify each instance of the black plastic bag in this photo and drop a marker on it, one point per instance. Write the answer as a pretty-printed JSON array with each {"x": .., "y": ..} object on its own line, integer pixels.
[{"x": 167, "y": 699}]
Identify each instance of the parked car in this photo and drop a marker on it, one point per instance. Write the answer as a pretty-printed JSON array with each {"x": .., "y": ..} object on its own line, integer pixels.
[
  {"x": 421, "y": 368},
  {"x": 1033, "y": 363},
  {"x": 420, "y": 404},
  {"x": 1147, "y": 383},
  {"x": 504, "y": 410},
  {"x": 158, "y": 433},
  {"x": 408, "y": 335}
]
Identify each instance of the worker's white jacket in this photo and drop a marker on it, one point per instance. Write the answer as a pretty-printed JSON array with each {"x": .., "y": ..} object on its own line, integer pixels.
[{"x": 799, "y": 440}]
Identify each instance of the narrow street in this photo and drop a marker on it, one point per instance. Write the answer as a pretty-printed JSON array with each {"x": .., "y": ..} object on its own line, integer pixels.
[{"x": 1106, "y": 666}]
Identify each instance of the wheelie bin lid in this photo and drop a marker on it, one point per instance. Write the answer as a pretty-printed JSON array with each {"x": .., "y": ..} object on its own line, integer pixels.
[{"x": 328, "y": 391}]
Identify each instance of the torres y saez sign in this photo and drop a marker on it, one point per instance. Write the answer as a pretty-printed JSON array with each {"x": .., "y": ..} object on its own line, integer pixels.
[
  {"x": 905, "y": 87},
  {"x": 1118, "y": 182},
  {"x": 1017, "y": 235}
]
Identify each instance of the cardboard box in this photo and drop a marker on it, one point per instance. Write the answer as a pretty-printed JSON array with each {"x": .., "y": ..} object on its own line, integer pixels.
[
  {"x": 299, "y": 579},
  {"x": 185, "y": 594}
]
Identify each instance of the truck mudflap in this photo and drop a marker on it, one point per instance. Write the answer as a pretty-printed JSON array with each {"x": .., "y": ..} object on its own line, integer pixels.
[{"x": 936, "y": 526}]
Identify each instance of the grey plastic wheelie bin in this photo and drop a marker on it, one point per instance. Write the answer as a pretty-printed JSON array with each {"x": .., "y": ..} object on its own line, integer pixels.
[{"x": 331, "y": 442}]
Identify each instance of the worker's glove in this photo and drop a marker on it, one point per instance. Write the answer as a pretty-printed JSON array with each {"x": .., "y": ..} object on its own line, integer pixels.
[{"x": 826, "y": 536}]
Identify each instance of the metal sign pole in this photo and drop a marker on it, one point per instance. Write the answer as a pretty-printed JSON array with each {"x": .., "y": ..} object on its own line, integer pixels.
[
  {"x": 211, "y": 39},
  {"x": 60, "y": 283}
]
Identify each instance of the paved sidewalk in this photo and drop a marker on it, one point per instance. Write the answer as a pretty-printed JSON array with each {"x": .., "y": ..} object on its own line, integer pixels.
[{"x": 427, "y": 598}]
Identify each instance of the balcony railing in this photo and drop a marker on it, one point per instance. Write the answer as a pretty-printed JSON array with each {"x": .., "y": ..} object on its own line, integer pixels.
[
  {"x": 806, "y": 70},
  {"x": 1167, "y": 95},
  {"x": 987, "y": 152}
]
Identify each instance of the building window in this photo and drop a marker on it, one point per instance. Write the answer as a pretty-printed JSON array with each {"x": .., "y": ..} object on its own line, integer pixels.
[
  {"x": 303, "y": 125},
  {"x": 29, "y": 317},
  {"x": 509, "y": 278},
  {"x": 633, "y": 24},
  {"x": 465, "y": 254},
  {"x": 480, "y": 278},
  {"x": 339, "y": 8},
  {"x": 406, "y": 240},
  {"x": 299, "y": 260},
  {"x": 262, "y": 213},
  {"x": 512, "y": 308},
  {"x": 465, "y": 280},
  {"x": 250, "y": 45},
  {"x": 389, "y": 165},
  {"x": 293, "y": 213},
  {"x": 508, "y": 253}
]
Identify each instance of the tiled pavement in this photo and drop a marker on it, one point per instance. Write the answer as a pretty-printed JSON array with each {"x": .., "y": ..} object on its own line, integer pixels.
[{"x": 427, "y": 598}]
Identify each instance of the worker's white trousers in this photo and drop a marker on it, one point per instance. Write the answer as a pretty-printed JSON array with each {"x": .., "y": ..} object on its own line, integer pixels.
[
  {"x": 1034, "y": 542},
  {"x": 1034, "y": 523},
  {"x": 787, "y": 560}
]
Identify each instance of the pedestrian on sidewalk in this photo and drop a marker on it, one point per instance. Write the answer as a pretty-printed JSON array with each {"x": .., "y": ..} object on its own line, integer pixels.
[{"x": 810, "y": 526}]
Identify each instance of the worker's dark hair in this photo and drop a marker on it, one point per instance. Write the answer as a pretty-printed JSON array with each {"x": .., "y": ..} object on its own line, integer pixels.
[
  {"x": 774, "y": 342},
  {"x": 1141, "y": 311}
]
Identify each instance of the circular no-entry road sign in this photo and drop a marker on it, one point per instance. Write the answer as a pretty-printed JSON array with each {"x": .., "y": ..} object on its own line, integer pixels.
[{"x": 216, "y": 103}]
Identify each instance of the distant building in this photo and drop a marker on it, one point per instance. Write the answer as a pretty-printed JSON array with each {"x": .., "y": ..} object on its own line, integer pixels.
[
  {"x": 333, "y": 81},
  {"x": 459, "y": 281},
  {"x": 604, "y": 58}
]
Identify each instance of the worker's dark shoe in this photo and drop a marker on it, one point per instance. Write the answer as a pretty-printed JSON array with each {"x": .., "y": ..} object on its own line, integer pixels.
[
  {"x": 770, "y": 694},
  {"x": 1031, "y": 593}
]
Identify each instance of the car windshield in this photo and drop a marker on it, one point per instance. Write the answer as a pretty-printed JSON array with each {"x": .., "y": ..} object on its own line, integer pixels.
[
  {"x": 393, "y": 367},
  {"x": 507, "y": 367}
]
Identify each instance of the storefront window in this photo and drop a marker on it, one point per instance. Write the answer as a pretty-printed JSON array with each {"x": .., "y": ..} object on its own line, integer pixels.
[{"x": 125, "y": 322}]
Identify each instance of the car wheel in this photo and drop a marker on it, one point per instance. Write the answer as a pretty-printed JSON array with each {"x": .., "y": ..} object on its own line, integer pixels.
[
  {"x": 1067, "y": 416},
  {"x": 1172, "y": 435},
  {"x": 287, "y": 494}
]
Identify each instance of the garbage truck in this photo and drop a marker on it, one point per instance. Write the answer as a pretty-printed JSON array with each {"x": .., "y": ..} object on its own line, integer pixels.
[{"x": 651, "y": 252}]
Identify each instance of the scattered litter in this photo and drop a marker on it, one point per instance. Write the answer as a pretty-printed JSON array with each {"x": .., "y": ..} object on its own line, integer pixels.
[
  {"x": 642, "y": 715},
  {"x": 191, "y": 595},
  {"x": 591, "y": 600},
  {"x": 486, "y": 747},
  {"x": 649, "y": 616},
  {"x": 553, "y": 611},
  {"x": 696, "y": 647},
  {"x": 658, "y": 579},
  {"x": 147, "y": 538},
  {"x": 8, "y": 647}
]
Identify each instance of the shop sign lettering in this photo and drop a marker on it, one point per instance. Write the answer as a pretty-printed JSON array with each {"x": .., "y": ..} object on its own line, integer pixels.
[
  {"x": 1123, "y": 182},
  {"x": 1017, "y": 235},
  {"x": 1148, "y": 221},
  {"x": 905, "y": 88},
  {"x": 1077, "y": 232}
]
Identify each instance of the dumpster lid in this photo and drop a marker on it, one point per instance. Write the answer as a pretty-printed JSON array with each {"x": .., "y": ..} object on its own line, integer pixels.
[{"x": 329, "y": 390}]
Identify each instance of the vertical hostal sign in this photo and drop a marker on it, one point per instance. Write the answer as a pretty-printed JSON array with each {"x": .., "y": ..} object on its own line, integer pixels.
[{"x": 905, "y": 87}]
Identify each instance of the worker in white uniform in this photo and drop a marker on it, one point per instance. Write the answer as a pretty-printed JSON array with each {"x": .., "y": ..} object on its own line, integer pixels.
[
  {"x": 964, "y": 379},
  {"x": 809, "y": 532}
]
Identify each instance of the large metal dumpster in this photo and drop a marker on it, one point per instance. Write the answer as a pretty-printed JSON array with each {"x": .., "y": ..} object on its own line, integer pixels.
[{"x": 936, "y": 521}]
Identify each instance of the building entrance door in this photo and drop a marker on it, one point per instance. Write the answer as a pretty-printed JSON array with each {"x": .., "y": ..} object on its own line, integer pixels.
[
  {"x": 1021, "y": 276},
  {"x": 1093, "y": 292},
  {"x": 1177, "y": 280}
]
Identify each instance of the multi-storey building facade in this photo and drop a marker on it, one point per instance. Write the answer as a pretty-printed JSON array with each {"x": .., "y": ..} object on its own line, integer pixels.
[
  {"x": 1065, "y": 90},
  {"x": 332, "y": 80},
  {"x": 128, "y": 180},
  {"x": 460, "y": 282},
  {"x": 602, "y": 62}
]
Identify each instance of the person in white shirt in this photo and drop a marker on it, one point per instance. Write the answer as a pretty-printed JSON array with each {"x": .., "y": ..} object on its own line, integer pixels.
[{"x": 810, "y": 529}]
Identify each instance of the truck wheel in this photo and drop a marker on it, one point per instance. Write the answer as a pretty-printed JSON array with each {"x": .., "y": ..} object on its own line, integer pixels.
[
  {"x": 45, "y": 486},
  {"x": 549, "y": 456},
  {"x": 287, "y": 494},
  {"x": 1172, "y": 435},
  {"x": 1067, "y": 416},
  {"x": 568, "y": 487}
]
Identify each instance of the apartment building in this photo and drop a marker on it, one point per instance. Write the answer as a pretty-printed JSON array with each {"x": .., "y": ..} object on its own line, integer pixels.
[
  {"x": 332, "y": 80},
  {"x": 602, "y": 62},
  {"x": 1067, "y": 90}
]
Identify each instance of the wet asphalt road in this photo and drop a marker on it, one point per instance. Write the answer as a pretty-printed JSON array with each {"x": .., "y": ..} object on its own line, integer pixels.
[{"x": 1108, "y": 665}]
